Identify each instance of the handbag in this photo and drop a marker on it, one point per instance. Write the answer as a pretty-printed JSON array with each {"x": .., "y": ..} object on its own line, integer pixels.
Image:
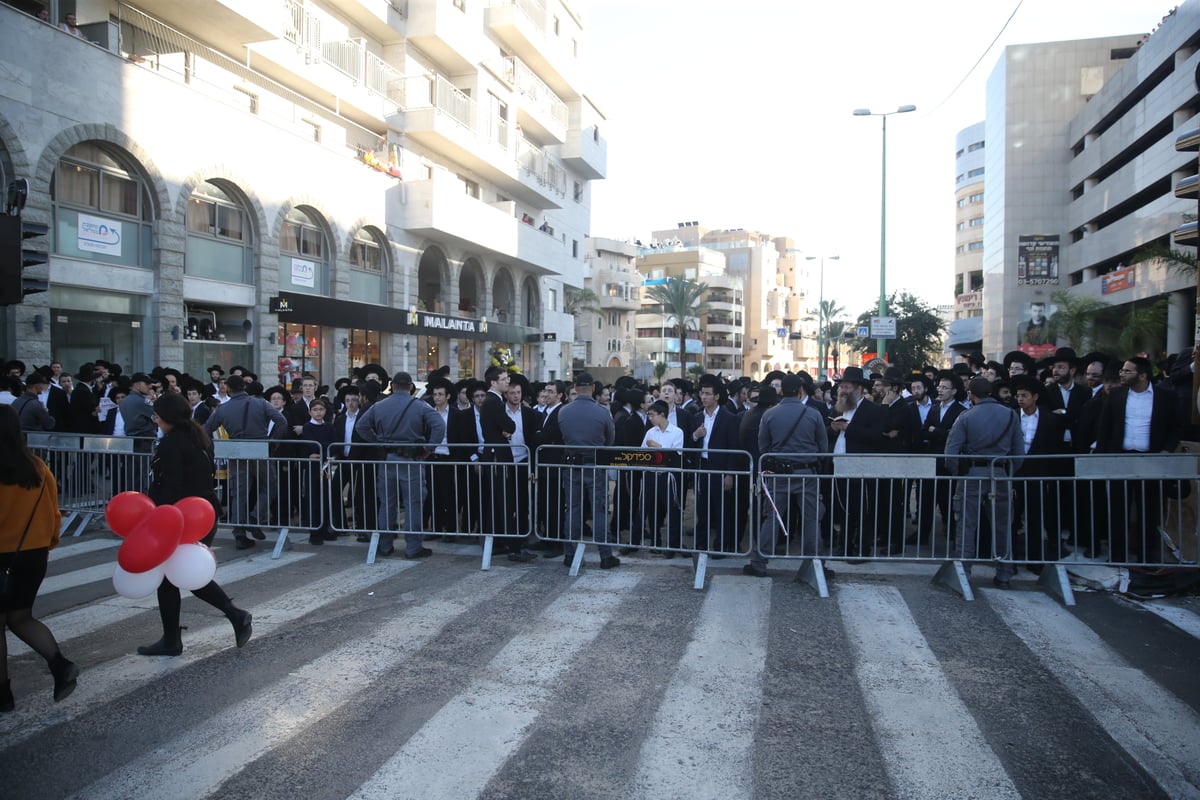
[{"x": 6, "y": 582}]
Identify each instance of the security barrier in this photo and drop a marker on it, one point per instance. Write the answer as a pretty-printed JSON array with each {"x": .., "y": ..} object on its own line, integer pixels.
[
  {"x": 1044, "y": 512},
  {"x": 672, "y": 502},
  {"x": 466, "y": 491}
]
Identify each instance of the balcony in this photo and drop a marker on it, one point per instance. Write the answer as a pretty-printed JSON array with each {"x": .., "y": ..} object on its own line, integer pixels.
[
  {"x": 540, "y": 111},
  {"x": 218, "y": 23},
  {"x": 521, "y": 26},
  {"x": 444, "y": 30},
  {"x": 440, "y": 209},
  {"x": 586, "y": 152},
  {"x": 382, "y": 20}
]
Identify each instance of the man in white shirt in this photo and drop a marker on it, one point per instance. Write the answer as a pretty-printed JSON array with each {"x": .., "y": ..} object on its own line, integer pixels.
[{"x": 442, "y": 508}]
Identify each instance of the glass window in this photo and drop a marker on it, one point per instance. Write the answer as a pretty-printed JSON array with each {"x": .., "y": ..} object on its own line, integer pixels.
[
  {"x": 301, "y": 236},
  {"x": 365, "y": 252},
  {"x": 78, "y": 185}
]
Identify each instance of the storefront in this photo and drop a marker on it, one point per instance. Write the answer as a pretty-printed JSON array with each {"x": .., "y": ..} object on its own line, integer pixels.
[{"x": 87, "y": 324}]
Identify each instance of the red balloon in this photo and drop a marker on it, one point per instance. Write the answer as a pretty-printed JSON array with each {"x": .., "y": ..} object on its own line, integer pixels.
[
  {"x": 198, "y": 518},
  {"x": 153, "y": 541},
  {"x": 126, "y": 511}
]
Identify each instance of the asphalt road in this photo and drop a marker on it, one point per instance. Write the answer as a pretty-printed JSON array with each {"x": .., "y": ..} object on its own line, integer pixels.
[{"x": 433, "y": 679}]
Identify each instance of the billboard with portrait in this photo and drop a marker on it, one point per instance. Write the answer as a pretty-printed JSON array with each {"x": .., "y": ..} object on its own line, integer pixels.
[{"x": 1033, "y": 331}]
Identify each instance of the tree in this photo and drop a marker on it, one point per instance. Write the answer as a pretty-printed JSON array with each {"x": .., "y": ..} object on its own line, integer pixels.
[
  {"x": 1075, "y": 319},
  {"x": 1181, "y": 261},
  {"x": 681, "y": 300},
  {"x": 580, "y": 301},
  {"x": 696, "y": 370},
  {"x": 660, "y": 369},
  {"x": 918, "y": 331},
  {"x": 1143, "y": 328},
  {"x": 825, "y": 313}
]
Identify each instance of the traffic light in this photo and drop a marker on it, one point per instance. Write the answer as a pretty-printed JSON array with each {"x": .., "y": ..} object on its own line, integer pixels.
[{"x": 15, "y": 257}]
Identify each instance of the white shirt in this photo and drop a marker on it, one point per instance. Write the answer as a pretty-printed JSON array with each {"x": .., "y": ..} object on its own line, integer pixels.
[
  {"x": 923, "y": 409},
  {"x": 1066, "y": 398},
  {"x": 839, "y": 447},
  {"x": 348, "y": 432},
  {"x": 669, "y": 438},
  {"x": 519, "y": 451},
  {"x": 708, "y": 420},
  {"x": 1138, "y": 408},
  {"x": 1029, "y": 426}
]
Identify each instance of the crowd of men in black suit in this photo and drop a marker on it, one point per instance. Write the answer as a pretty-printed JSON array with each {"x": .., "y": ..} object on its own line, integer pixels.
[{"x": 479, "y": 473}]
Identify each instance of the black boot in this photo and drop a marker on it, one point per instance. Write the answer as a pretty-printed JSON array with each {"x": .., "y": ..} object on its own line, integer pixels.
[
  {"x": 241, "y": 624},
  {"x": 6, "y": 698},
  {"x": 64, "y": 672},
  {"x": 171, "y": 644}
]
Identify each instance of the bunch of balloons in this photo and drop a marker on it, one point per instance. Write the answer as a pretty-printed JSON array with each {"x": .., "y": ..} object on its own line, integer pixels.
[{"x": 160, "y": 541}]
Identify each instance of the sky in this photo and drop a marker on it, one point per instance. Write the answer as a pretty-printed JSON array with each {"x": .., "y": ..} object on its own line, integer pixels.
[{"x": 739, "y": 115}]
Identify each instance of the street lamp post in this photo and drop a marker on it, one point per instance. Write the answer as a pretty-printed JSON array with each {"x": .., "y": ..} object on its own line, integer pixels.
[
  {"x": 822, "y": 323},
  {"x": 881, "y": 344}
]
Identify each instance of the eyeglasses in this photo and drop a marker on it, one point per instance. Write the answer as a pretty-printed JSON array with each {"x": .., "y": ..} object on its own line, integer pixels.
[{"x": 1128, "y": 371}]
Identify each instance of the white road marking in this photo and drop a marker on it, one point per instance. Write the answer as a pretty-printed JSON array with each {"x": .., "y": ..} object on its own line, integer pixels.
[
  {"x": 930, "y": 743},
  {"x": 88, "y": 619},
  {"x": 1158, "y": 730},
  {"x": 115, "y": 679},
  {"x": 710, "y": 710},
  {"x": 466, "y": 743},
  {"x": 197, "y": 762}
]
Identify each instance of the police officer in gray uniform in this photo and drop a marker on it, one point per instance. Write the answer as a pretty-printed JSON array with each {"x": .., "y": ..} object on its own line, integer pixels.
[
  {"x": 246, "y": 417},
  {"x": 791, "y": 438},
  {"x": 585, "y": 424},
  {"x": 982, "y": 433},
  {"x": 412, "y": 428}
]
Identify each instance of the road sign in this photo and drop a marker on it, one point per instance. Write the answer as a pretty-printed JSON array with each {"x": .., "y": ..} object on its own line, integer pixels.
[
  {"x": 863, "y": 332},
  {"x": 883, "y": 328}
]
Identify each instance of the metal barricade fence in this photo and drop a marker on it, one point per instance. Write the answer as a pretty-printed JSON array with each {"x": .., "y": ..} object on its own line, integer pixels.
[
  {"x": 89, "y": 470},
  {"x": 271, "y": 484},
  {"x": 673, "y": 502},
  {"x": 471, "y": 490}
]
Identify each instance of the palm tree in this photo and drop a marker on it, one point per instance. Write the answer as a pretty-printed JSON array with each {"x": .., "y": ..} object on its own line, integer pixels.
[
  {"x": 580, "y": 301},
  {"x": 827, "y": 311},
  {"x": 1075, "y": 319},
  {"x": 681, "y": 300},
  {"x": 660, "y": 369},
  {"x": 1143, "y": 325}
]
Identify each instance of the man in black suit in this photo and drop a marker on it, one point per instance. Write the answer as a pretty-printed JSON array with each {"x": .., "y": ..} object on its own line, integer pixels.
[
  {"x": 901, "y": 426},
  {"x": 858, "y": 428},
  {"x": 549, "y": 512},
  {"x": 496, "y": 476},
  {"x": 85, "y": 400},
  {"x": 718, "y": 498},
  {"x": 464, "y": 434},
  {"x": 632, "y": 425},
  {"x": 442, "y": 509},
  {"x": 946, "y": 408},
  {"x": 194, "y": 392},
  {"x": 357, "y": 479},
  {"x": 1137, "y": 418},
  {"x": 1036, "y": 499}
]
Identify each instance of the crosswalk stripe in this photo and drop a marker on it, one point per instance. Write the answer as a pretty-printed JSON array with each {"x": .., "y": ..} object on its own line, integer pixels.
[
  {"x": 1158, "y": 730},
  {"x": 77, "y": 577},
  {"x": 1179, "y": 617},
  {"x": 710, "y": 709},
  {"x": 485, "y": 724},
  {"x": 197, "y": 762},
  {"x": 117, "y": 678},
  {"x": 930, "y": 743},
  {"x": 88, "y": 619},
  {"x": 82, "y": 548}
]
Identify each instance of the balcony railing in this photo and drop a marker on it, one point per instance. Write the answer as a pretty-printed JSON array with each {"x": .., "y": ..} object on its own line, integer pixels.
[
  {"x": 533, "y": 9},
  {"x": 154, "y": 45},
  {"x": 527, "y": 83},
  {"x": 533, "y": 159}
]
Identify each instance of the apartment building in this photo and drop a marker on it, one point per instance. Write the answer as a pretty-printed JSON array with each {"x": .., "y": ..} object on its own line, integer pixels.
[
  {"x": 605, "y": 334},
  {"x": 301, "y": 187},
  {"x": 965, "y": 326}
]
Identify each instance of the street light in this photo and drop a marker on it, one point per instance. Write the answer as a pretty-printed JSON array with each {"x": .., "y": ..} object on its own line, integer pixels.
[
  {"x": 821, "y": 321},
  {"x": 881, "y": 344}
]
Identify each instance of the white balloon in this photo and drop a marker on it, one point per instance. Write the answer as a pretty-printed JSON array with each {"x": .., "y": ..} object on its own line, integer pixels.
[
  {"x": 191, "y": 566},
  {"x": 136, "y": 585}
]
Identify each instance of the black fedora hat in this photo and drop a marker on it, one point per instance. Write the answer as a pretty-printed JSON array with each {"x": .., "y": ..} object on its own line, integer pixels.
[{"x": 855, "y": 375}]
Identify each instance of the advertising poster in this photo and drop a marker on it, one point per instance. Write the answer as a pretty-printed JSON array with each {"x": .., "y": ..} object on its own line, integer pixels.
[
  {"x": 1118, "y": 280},
  {"x": 1037, "y": 260},
  {"x": 99, "y": 235},
  {"x": 1033, "y": 331}
]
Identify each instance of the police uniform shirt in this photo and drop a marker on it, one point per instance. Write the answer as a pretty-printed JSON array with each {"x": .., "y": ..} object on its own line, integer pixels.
[
  {"x": 401, "y": 419},
  {"x": 779, "y": 434}
]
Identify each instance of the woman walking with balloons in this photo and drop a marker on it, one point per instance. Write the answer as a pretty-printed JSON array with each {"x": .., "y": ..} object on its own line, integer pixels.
[
  {"x": 29, "y": 499},
  {"x": 183, "y": 468}
]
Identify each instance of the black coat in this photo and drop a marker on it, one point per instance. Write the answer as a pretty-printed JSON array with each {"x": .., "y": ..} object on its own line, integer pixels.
[
  {"x": 1164, "y": 433},
  {"x": 495, "y": 424},
  {"x": 180, "y": 469},
  {"x": 865, "y": 432}
]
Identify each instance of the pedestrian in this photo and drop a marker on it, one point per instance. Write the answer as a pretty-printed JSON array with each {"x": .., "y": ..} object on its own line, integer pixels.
[
  {"x": 32, "y": 414},
  {"x": 182, "y": 467},
  {"x": 29, "y": 498}
]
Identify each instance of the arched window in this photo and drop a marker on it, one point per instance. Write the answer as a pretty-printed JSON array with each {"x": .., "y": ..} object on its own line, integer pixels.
[
  {"x": 303, "y": 254},
  {"x": 102, "y": 208},
  {"x": 367, "y": 267},
  {"x": 218, "y": 237}
]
